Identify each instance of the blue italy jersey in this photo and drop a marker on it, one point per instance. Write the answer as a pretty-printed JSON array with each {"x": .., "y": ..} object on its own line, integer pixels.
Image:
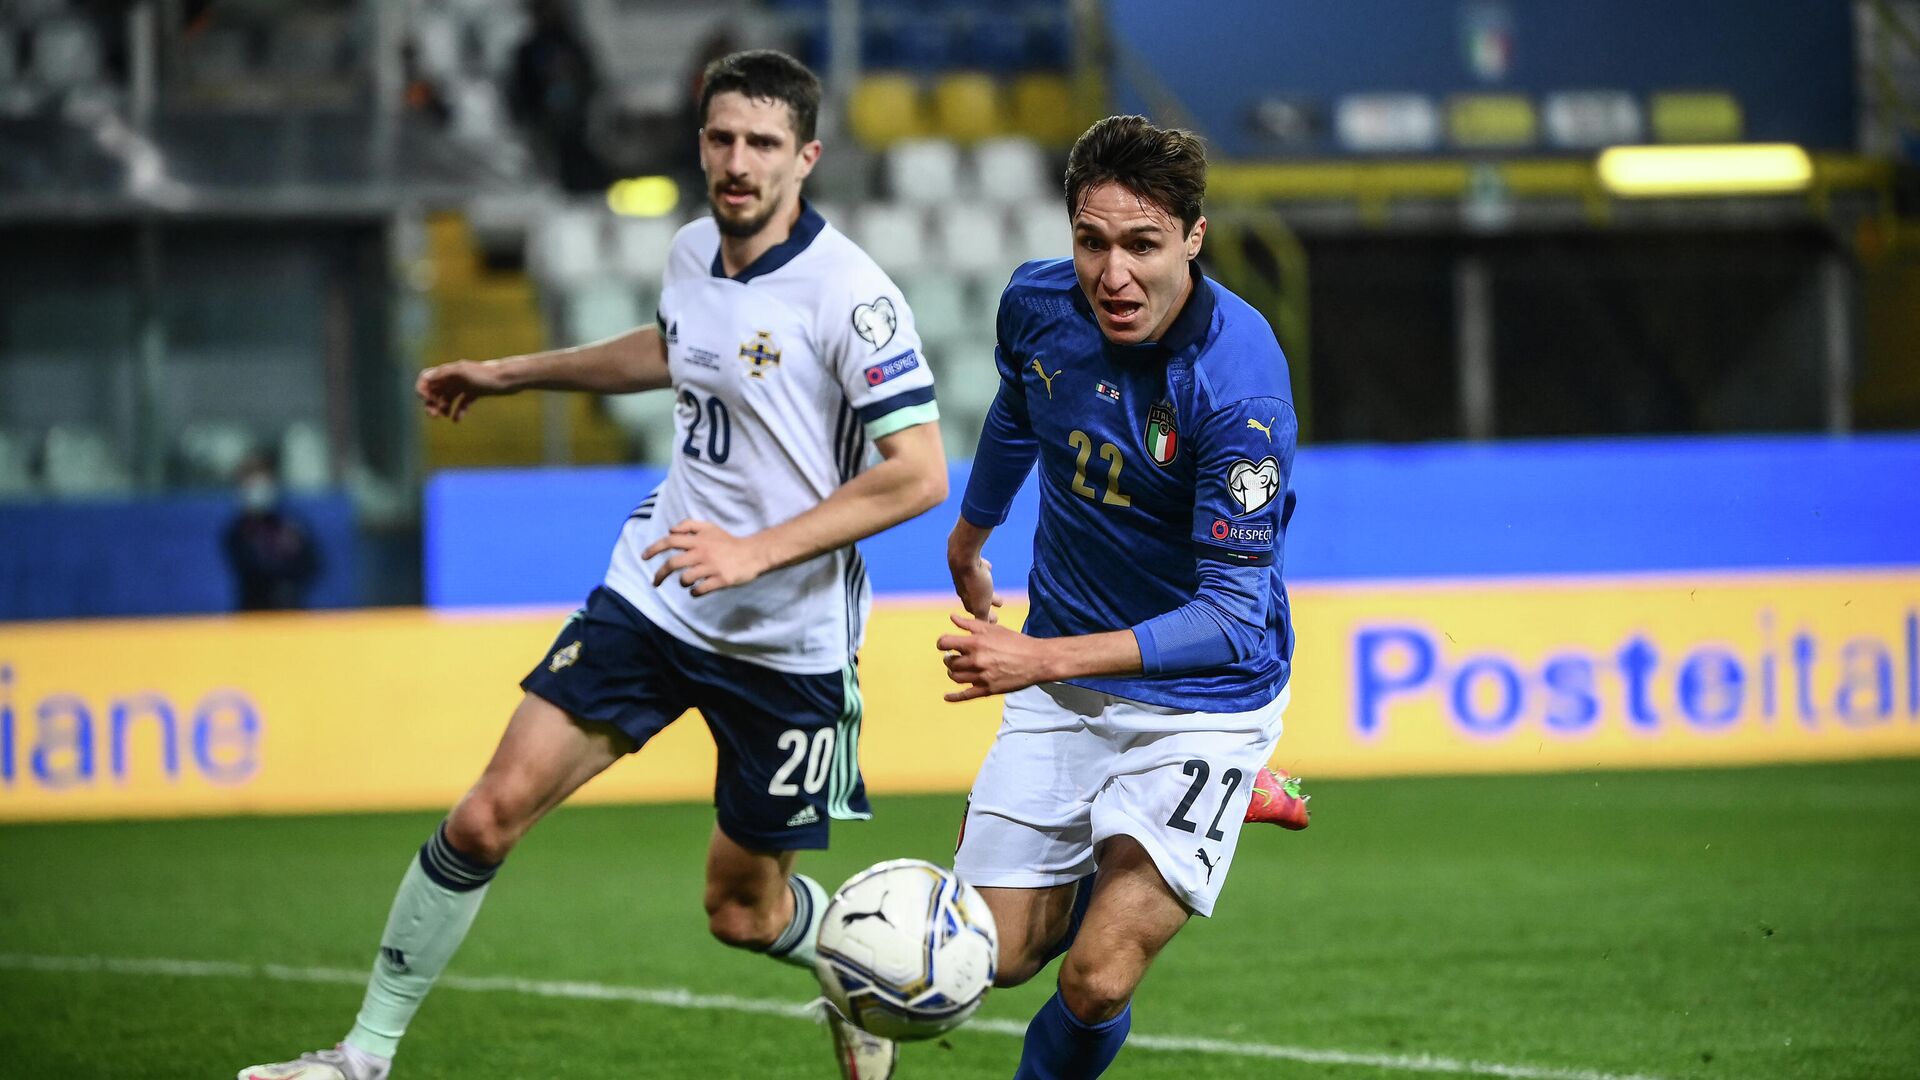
[{"x": 1153, "y": 458}]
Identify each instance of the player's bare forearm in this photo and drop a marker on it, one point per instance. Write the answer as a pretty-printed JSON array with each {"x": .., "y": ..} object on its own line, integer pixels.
[
  {"x": 991, "y": 659},
  {"x": 966, "y": 541},
  {"x": 629, "y": 362},
  {"x": 623, "y": 364},
  {"x": 909, "y": 480},
  {"x": 1116, "y": 652},
  {"x": 972, "y": 575}
]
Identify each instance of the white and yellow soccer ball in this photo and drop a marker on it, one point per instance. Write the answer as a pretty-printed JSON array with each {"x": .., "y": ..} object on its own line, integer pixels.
[{"x": 906, "y": 950}]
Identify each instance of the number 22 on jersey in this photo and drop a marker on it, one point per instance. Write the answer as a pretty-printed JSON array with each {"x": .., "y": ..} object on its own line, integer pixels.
[{"x": 1082, "y": 445}]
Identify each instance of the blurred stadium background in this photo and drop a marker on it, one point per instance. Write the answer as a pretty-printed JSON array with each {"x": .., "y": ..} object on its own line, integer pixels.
[{"x": 1603, "y": 325}]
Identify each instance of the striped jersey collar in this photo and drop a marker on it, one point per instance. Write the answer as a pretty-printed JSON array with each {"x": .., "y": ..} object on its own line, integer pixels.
[{"x": 782, "y": 253}]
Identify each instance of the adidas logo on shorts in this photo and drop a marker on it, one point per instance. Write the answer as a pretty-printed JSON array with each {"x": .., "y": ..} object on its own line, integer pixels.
[{"x": 807, "y": 816}]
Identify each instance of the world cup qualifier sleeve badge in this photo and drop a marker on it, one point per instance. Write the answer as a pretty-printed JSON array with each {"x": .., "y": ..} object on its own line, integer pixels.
[{"x": 1163, "y": 434}]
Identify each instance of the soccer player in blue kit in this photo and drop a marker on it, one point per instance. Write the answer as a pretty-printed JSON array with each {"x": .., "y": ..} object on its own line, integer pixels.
[{"x": 1146, "y": 691}]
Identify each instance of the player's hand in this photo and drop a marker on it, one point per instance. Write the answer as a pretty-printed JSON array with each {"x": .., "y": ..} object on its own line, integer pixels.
[
  {"x": 973, "y": 584},
  {"x": 991, "y": 659},
  {"x": 710, "y": 558},
  {"x": 449, "y": 390}
]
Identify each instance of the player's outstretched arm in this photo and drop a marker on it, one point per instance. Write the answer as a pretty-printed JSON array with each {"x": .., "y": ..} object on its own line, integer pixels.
[
  {"x": 623, "y": 364},
  {"x": 910, "y": 479}
]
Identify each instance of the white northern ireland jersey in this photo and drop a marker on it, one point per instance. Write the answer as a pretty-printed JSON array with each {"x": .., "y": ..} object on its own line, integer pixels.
[{"x": 783, "y": 375}]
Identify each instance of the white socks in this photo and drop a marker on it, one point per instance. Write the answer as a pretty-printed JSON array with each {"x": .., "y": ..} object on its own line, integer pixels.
[
  {"x": 795, "y": 945},
  {"x": 436, "y": 904}
]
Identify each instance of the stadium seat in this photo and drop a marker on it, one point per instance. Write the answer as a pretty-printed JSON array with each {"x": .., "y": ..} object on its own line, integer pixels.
[
  {"x": 641, "y": 246},
  {"x": 647, "y": 420},
  {"x": 479, "y": 117},
  {"x": 837, "y": 214},
  {"x": 436, "y": 42},
  {"x": 211, "y": 451},
  {"x": 971, "y": 237},
  {"x": 884, "y": 109},
  {"x": 65, "y": 54},
  {"x": 923, "y": 172},
  {"x": 16, "y": 472},
  {"x": 1697, "y": 117},
  {"x": 17, "y": 100},
  {"x": 967, "y": 381},
  {"x": 966, "y": 107},
  {"x": 1012, "y": 170},
  {"x": 1043, "y": 111},
  {"x": 304, "y": 464},
  {"x": 499, "y": 30},
  {"x": 600, "y": 310},
  {"x": 1049, "y": 38},
  {"x": 994, "y": 39},
  {"x": 566, "y": 248},
  {"x": 1040, "y": 231},
  {"x": 497, "y": 226},
  {"x": 960, "y": 430},
  {"x": 80, "y": 462},
  {"x": 906, "y": 37},
  {"x": 939, "y": 303},
  {"x": 894, "y": 235}
]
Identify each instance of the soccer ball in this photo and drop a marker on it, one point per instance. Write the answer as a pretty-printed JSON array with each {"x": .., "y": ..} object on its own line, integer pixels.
[{"x": 906, "y": 950}]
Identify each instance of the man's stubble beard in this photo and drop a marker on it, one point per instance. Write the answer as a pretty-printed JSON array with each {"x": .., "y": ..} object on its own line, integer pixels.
[{"x": 739, "y": 228}]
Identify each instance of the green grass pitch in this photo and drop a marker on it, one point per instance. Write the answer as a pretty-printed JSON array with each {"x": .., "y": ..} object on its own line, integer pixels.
[{"x": 1743, "y": 923}]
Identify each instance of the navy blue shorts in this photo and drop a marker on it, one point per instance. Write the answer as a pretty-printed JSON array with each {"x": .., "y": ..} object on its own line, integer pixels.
[{"x": 788, "y": 744}]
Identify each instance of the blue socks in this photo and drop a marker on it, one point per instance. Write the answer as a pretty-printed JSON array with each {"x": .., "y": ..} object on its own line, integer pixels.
[{"x": 1061, "y": 1046}]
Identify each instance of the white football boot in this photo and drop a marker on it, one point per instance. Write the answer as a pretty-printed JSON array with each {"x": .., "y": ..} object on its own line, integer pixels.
[
  {"x": 334, "y": 1064},
  {"x": 862, "y": 1056}
]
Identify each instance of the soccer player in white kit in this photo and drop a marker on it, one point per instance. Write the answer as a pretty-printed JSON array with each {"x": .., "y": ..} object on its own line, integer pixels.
[
  {"x": 734, "y": 588},
  {"x": 1146, "y": 690}
]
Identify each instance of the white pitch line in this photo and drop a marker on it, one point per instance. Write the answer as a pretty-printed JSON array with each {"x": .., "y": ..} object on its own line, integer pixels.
[{"x": 673, "y": 998}]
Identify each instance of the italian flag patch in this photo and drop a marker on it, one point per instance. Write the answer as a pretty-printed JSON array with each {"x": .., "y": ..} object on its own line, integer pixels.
[{"x": 1163, "y": 439}]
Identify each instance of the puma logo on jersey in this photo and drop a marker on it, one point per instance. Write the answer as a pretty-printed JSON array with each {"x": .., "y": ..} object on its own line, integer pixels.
[
  {"x": 1206, "y": 862},
  {"x": 1046, "y": 378},
  {"x": 564, "y": 658},
  {"x": 1264, "y": 429}
]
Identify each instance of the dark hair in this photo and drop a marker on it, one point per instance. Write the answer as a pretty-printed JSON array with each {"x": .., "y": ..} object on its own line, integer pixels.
[
  {"x": 1165, "y": 166},
  {"x": 766, "y": 75}
]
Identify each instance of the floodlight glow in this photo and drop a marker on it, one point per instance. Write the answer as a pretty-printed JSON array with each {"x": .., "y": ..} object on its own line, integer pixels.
[
  {"x": 644, "y": 196},
  {"x": 1759, "y": 169}
]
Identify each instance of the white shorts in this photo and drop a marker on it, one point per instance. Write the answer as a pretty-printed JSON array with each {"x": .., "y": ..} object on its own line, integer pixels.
[{"x": 1072, "y": 767}]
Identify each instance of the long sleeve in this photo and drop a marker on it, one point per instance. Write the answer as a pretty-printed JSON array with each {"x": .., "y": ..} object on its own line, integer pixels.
[{"x": 1223, "y": 624}]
